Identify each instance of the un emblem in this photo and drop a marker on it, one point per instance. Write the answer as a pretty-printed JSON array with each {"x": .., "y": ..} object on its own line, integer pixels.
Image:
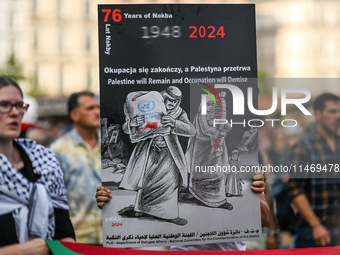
[{"x": 146, "y": 106}]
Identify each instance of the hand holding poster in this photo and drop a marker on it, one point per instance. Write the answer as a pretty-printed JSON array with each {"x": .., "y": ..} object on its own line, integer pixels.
[{"x": 159, "y": 67}]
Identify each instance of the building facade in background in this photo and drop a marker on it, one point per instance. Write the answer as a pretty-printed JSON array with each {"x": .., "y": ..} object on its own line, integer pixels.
[
  {"x": 56, "y": 41},
  {"x": 298, "y": 38},
  {"x": 11, "y": 29}
]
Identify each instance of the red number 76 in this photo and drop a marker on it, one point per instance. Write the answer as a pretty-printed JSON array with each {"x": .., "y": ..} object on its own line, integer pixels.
[{"x": 116, "y": 16}]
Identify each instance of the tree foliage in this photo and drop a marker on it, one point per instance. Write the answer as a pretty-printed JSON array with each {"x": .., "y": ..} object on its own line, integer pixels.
[{"x": 12, "y": 68}]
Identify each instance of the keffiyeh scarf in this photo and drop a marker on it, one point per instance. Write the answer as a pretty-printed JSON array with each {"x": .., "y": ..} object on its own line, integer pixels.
[{"x": 32, "y": 204}]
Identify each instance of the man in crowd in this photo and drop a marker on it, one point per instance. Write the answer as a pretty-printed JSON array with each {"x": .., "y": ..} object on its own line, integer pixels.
[
  {"x": 78, "y": 152},
  {"x": 317, "y": 198}
]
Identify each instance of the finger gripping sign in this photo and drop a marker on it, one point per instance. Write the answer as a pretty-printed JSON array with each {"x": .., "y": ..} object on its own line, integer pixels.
[{"x": 168, "y": 75}]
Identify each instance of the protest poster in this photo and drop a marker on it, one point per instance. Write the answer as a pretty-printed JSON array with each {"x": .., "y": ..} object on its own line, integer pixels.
[{"x": 175, "y": 123}]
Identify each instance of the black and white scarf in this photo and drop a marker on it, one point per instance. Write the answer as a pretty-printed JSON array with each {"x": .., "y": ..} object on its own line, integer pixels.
[{"x": 32, "y": 204}]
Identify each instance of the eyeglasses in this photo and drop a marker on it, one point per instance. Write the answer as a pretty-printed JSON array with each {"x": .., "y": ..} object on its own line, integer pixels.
[{"x": 6, "y": 107}]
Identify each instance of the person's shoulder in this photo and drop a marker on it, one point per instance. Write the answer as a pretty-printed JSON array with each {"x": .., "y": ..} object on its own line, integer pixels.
[
  {"x": 62, "y": 140},
  {"x": 308, "y": 139},
  {"x": 32, "y": 147},
  {"x": 28, "y": 144}
]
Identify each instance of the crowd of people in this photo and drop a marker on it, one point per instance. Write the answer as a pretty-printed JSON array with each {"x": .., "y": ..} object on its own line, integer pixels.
[
  {"x": 305, "y": 208},
  {"x": 56, "y": 193}
]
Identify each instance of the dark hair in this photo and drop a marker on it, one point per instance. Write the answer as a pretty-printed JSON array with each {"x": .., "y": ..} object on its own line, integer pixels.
[
  {"x": 72, "y": 101},
  {"x": 319, "y": 102},
  {"x": 7, "y": 81}
]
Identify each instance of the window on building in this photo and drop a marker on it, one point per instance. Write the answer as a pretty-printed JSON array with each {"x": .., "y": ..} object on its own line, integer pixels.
[
  {"x": 88, "y": 42},
  {"x": 34, "y": 7},
  {"x": 36, "y": 77},
  {"x": 87, "y": 9},
  {"x": 10, "y": 19},
  {"x": 88, "y": 79},
  {"x": 35, "y": 39},
  {"x": 60, "y": 40},
  {"x": 61, "y": 79},
  {"x": 59, "y": 8}
]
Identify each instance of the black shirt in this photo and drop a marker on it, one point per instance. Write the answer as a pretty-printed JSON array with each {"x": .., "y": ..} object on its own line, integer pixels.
[{"x": 64, "y": 226}]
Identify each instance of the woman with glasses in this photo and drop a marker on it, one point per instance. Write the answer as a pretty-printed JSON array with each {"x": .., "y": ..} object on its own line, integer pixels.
[{"x": 33, "y": 204}]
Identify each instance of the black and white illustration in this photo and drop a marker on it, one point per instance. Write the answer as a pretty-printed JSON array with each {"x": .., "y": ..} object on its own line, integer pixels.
[
  {"x": 249, "y": 140},
  {"x": 164, "y": 183},
  {"x": 208, "y": 149},
  {"x": 157, "y": 166},
  {"x": 234, "y": 180},
  {"x": 173, "y": 168}
]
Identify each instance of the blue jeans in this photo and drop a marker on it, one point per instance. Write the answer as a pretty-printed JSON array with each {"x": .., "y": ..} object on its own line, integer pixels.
[{"x": 304, "y": 236}]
